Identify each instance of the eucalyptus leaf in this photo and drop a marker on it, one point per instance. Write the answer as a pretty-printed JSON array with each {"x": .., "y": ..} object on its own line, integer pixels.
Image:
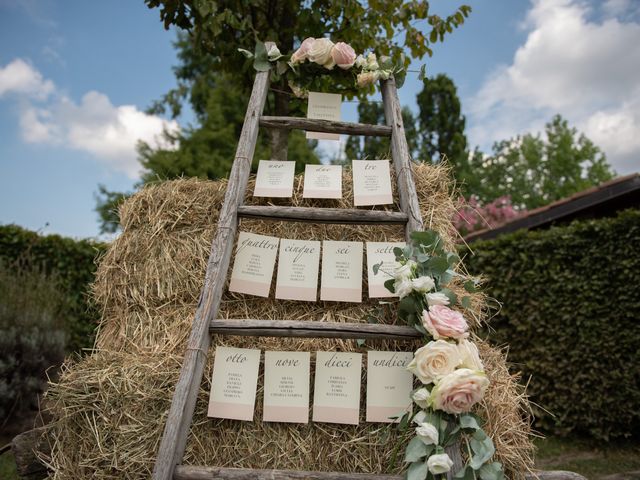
[
  {"x": 376, "y": 268},
  {"x": 469, "y": 421},
  {"x": 390, "y": 285},
  {"x": 416, "y": 449},
  {"x": 482, "y": 448},
  {"x": 491, "y": 471},
  {"x": 466, "y": 473},
  {"x": 465, "y": 302},
  {"x": 470, "y": 286},
  {"x": 438, "y": 265},
  {"x": 360, "y": 342},
  {"x": 417, "y": 471},
  {"x": 397, "y": 251},
  {"x": 453, "y": 298},
  {"x": 246, "y": 53}
]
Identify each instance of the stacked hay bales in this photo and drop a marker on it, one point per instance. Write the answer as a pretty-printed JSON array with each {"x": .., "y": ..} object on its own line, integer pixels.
[{"x": 110, "y": 407}]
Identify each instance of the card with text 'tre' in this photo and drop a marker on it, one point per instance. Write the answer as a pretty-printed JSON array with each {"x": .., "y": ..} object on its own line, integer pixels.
[{"x": 371, "y": 183}]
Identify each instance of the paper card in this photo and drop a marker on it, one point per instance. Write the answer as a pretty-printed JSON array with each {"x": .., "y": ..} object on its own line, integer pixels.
[
  {"x": 298, "y": 266},
  {"x": 254, "y": 264},
  {"x": 336, "y": 396},
  {"x": 389, "y": 385},
  {"x": 371, "y": 182},
  {"x": 381, "y": 252},
  {"x": 233, "y": 384},
  {"x": 286, "y": 387},
  {"x": 322, "y": 181},
  {"x": 274, "y": 179},
  {"x": 324, "y": 106},
  {"x": 341, "y": 271}
]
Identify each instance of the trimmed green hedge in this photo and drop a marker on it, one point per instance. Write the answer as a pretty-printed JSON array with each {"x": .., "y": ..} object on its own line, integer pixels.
[
  {"x": 571, "y": 318},
  {"x": 73, "y": 264}
]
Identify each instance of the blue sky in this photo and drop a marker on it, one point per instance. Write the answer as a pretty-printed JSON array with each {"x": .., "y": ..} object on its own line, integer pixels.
[{"x": 76, "y": 77}]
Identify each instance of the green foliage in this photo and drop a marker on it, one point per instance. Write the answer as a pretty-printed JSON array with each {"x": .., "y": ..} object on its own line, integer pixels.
[
  {"x": 71, "y": 262},
  {"x": 571, "y": 318}
]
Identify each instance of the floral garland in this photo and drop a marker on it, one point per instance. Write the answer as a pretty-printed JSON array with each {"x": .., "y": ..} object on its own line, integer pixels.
[{"x": 448, "y": 366}]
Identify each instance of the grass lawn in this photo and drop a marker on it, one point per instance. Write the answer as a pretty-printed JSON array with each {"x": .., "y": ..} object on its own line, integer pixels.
[{"x": 7, "y": 467}]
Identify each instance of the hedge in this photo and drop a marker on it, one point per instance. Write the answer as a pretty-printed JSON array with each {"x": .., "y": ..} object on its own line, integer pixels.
[
  {"x": 571, "y": 317},
  {"x": 73, "y": 264}
]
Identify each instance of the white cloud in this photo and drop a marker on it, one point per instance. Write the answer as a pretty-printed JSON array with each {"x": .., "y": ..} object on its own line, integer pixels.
[
  {"x": 587, "y": 70},
  {"x": 108, "y": 132}
]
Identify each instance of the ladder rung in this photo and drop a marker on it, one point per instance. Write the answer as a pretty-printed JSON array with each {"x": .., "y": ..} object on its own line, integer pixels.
[
  {"x": 312, "y": 329},
  {"x": 323, "y": 215},
  {"x": 190, "y": 472},
  {"x": 325, "y": 126}
]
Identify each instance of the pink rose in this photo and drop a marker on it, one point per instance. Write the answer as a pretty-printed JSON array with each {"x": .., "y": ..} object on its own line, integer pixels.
[
  {"x": 459, "y": 391},
  {"x": 343, "y": 55},
  {"x": 442, "y": 322},
  {"x": 302, "y": 53}
]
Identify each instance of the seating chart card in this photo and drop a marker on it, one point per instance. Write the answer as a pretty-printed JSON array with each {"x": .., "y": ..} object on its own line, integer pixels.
[
  {"x": 389, "y": 385},
  {"x": 324, "y": 106},
  {"x": 274, "y": 179},
  {"x": 234, "y": 382},
  {"x": 254, "y": 264},
  {"x": 371, "y": 183},
  {"x": 341, "y": 271},
  {"x": 336, "y": 397},
  {"x": 286, "y": 387},
  {"x": 298, "y": 266},
  {"x": 322, "y": 181},
  {"x": 381, "y": 252}
]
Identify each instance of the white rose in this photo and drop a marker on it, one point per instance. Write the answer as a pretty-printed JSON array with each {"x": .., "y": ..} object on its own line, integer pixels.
[
  {"x": 320, "y": 53},
  {"x": 404, "y": 271},
  {"x": 421, "y": 397},
  {"x": 403, "y": 287},
  {"x": 427, "y": 433},
  {"x": 423, "y": 284},
  {"x": 435, "y": 360},
  {"x": 274, "y": 53},
  {"x": 470, "y": 355},
  {"x": 372, "y": 62},
  {"x": 439, "y": 464},
  {"x": 360, "y": 61},
  {"x": 437, "y": 298},
  {"x": 420, "y": 417}
]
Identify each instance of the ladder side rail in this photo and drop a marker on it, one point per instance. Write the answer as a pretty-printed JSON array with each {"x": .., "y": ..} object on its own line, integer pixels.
[{"x": 180, "y": 416}]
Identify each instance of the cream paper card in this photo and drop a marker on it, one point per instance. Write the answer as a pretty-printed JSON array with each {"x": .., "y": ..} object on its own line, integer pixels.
[
  {"x": 298, "y": 266},
  {"x": 341, "y": 271},
  {"x": 254, "y": 264},
  {"x": 286, "y": 387},
  {"x": 389, "y": 385},
  {"x": 381, "y": 252},
  {"x": 274, "y": 179},
  {"x": 233, "y": 384},
  {"x": 322, "y": 181},
  {"x": 371, "y": 182},
  {"x": 336, "y": 395},
  {"x": 324, "y": 106}
]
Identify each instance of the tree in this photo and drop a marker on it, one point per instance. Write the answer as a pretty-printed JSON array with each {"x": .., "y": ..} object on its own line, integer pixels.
[{"x": 535, "y": 171}]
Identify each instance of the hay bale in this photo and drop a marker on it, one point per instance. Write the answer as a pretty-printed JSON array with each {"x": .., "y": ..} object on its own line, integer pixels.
[{"x": 110, "y": 407}]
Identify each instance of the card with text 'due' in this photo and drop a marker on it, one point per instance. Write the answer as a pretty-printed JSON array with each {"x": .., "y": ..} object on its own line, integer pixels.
[
  {"x": 341, "y": 271},
  {"x": 381, "y": 254},
  {"x": 274, "y": 179},
  {"x": 336, "y": 395},
  {"x": 322, "y": 181},
  {"x": 234, "y": 383},
  {"x": 286, "y": 387},
  {"x": 254, "y": 264},
  {"x": 389, "y": 385},
  {"x": 324, "y": 106},
  {"x": 371, "y": 183},
  {"x": 298, "y": 265}
]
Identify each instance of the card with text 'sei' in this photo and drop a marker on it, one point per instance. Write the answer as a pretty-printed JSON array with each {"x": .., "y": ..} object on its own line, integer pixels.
[
  {"x": 371, "y": 183},
  {"x": 286, "y": 387},
  {"x": 233, "y": 384},
  {"x": 324, "y": 106},
  {"x": 254, "y": 264},
  {"x": 298, "y": 265},
  {"x": 336, "y": 395},
  {"x": 274, "y": 179},
  {"x": 341, "y": 271},
  {"x": 389, "y": 385}
]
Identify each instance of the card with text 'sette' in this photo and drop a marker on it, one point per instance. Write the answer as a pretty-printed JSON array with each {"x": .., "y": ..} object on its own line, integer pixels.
[
  {"x": 298, "y": 265},
  {"x": 234, "y": 383},
  {"x": 274, "y": 179},
  {"x": 322, "y": 181},
  {"x": 389, "y": 385},
  {"x": 336, "y": 396},
  {"x": 324, "y": 106},
  {"x": 286, "y": 387},
  {"x": 371, "y": 183},
  {"x": 381, "y": 253},
  {"x": 254, "y": 264},
  {"x": 341, "y": 271}
]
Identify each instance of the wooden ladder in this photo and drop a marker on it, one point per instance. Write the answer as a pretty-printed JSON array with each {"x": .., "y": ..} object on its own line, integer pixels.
[{"x": 172, "y": 446}]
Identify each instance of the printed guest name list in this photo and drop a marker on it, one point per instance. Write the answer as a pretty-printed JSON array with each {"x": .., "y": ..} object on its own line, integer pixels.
[
  {"x": 254, "y": 264},
  {"x": 336, "y": 397}
]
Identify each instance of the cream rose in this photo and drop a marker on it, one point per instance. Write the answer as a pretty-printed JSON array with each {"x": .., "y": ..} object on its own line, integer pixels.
[
  {"x": 372, "y": 62},
  {"x": 442, "y": 322},
  {"x": 436, "y": 298},
  {"x": 470, "y": 355},
  {"x": 434, "y": 361},
  {"x": 427, "y": 433},
  {"x": 439, "y": 463},
  {"x": 421, "y": 397},
  {"x": 367, "y": 78},
  {"x": 300, "y": 55},
  {"x": 343, "y": 55},
  {"x": 459, "y": 391},
  {"x": 403, "y": 287},
  {"x": 423, "y": 284},
  {"x": 320, "y": 53}
]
